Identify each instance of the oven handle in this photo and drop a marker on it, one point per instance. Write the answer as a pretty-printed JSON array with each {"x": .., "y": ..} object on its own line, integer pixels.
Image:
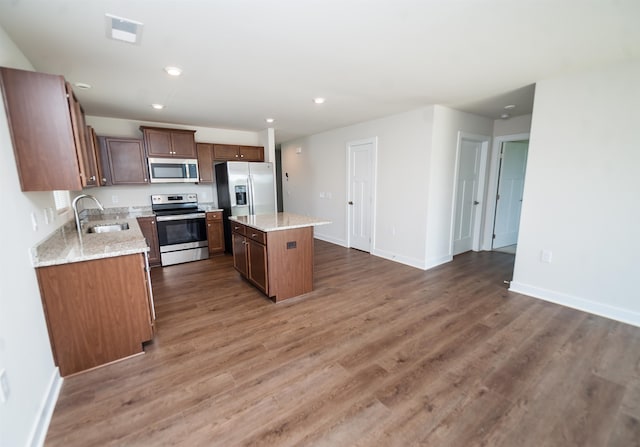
[{"x": 180, "y": 217}]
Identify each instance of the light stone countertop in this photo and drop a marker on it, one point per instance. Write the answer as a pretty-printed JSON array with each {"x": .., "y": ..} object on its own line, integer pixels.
[
  {"x": 209, "y": 208},
  {"x": 65, "y": 246},
  {"x": 278, "y": 221}
]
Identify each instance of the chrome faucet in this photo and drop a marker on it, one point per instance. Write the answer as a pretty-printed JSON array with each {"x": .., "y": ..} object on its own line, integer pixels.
[{"x": 74, "y": 205}]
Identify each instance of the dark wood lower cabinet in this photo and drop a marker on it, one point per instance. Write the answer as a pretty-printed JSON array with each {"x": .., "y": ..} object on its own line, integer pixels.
[
  {"x": 257, "y": 255},
  {"x": 215, "y": 232},
  {"x": 279, "y": 263},
  {"x": 240, "y": 254},
  {"x": 150, "y": 233},
  {"x": 97, "y": 311}
]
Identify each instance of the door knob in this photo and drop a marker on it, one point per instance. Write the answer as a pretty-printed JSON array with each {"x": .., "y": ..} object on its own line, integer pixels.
[{"x": 350, "y": 202}]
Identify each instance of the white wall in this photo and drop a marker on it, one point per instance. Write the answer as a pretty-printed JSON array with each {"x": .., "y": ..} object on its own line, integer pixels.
[
  {"x": 25, "y": 352},
  {"x": 404, "y": 142},
  {"x": 131, "y": 196},
  {"x": 415, "y": 171},
  {"x": 446, "y": 125},
  {"x": 512, "y": 126},
  {"x": 581, "y": 195}
]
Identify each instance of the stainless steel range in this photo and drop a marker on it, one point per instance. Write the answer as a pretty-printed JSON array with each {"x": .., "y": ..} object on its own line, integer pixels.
[{"x": 182, "y": 228}]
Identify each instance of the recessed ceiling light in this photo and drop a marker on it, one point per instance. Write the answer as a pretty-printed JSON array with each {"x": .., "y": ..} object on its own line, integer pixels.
[
  {"x": 319, "y": 100},
  {"x": 510, "y": 106},
  {"x": 269, "y": 120},
  {"x": 82, "y": 85},
  {"x": 173, "y": 71},
  {"x": 504, "y": 116},
  {"x": 158, "y": 106}
]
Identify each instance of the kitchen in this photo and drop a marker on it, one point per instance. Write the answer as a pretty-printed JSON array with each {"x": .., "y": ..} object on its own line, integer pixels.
[
  {"x": 24, "y": 342},
  {"x": 267, "y": 246}
]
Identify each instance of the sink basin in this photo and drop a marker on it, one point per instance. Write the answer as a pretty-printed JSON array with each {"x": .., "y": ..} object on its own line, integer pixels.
[{"x": 107, "y": 228}]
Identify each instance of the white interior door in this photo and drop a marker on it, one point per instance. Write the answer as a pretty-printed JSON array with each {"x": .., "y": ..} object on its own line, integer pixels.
[
  {"x": 513, "y": 165},
  {"x": 467, "y": 199},
  {"x": 360, "y": 200}
]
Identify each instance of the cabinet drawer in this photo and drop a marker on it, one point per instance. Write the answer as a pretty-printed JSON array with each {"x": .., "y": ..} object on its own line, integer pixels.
[
  {"x": 238, "y": 228},
  {"x": 216, "y": 215},
  {"x": 256, "y": 235}
]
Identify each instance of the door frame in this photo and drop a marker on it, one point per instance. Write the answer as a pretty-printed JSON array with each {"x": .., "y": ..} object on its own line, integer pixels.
[
  {"x": 374, "y": 181},
  {"x": 492, "y": 186},
  {"x": 484, "y": 140}
]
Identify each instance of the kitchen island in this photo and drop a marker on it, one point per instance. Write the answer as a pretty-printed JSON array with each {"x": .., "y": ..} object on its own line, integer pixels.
[{"x": 275, "y": 252}]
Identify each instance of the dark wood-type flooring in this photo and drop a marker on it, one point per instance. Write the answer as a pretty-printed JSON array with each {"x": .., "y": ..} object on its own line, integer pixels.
[{"x": 380, "y": 354}]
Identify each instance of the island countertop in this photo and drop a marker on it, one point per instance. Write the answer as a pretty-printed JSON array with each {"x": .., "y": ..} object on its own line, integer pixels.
[{"x": 278, "y": 221}]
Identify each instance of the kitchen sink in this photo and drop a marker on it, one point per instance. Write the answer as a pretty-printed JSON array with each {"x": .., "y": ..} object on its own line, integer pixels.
[{"x": 107, "y": 228}]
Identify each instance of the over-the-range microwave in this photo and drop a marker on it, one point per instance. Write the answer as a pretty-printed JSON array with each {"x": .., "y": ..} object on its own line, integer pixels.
[{"x": 173, "y": 170}]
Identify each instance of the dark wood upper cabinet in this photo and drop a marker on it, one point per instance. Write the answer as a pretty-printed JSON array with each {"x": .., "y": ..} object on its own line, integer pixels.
[
  {"x": 205, "y": 162},
  {"x": 86, "y": 156},
  {"x": 226, "y": 152},
  {"x": 123, "y": 160},
  {"x": 169, "y": 143},
  {"x": 39, "y": 113},
  {"x": 94, "y": 146},
  {"x": 251, "y": 153},
  {"x": 234, "y": 152}
]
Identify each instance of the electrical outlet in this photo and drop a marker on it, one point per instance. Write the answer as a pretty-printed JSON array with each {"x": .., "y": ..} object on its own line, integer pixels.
[
  {"x": 34, "y": 221},
  {"x": 115, "y": 199},
  {"x": 546, "y": 256},
  {"x": 4, "y": 386}
]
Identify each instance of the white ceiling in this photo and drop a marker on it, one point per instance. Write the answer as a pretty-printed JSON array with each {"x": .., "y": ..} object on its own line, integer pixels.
[{"x": 246, "y": 60}]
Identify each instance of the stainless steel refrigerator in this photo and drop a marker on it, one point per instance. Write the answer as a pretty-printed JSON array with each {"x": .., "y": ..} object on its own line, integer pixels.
[{"x": 244, "y": 188}]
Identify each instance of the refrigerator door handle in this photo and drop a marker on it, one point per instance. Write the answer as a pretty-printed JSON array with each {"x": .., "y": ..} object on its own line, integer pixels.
[{"x": 251, "y": 195}]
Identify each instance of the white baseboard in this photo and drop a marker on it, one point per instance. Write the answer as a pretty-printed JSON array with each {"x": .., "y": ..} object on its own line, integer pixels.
[
  {"x": 603, "y": 310},
  {"x": 411, "y": 262},
  {"x": 39, "y": 431},
  {"x": 330, "y": 239},
  {"x": 434, "y": 262}
]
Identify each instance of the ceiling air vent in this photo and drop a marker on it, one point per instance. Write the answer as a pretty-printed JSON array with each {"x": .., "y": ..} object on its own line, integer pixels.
[{"x": 126, "y": 30}]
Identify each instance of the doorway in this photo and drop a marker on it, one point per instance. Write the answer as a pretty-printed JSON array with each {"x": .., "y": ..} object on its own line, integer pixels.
[
  {"x": 504, "y": 201},
  {"x": 508, "y": 202},
  {"x": 361, "y": 160},
  {"x": 471, "y": 161}
]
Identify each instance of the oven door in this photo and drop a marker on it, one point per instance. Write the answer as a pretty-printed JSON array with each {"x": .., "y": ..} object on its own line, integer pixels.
[{"x": 182, "y": 231}]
